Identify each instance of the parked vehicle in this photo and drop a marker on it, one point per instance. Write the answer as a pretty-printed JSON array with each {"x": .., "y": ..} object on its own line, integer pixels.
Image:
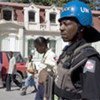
[{"x": 20, "y": 65}]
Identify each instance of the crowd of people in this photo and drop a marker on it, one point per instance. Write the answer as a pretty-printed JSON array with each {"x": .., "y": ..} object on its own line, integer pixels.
[{"x": 76, "y": 73}]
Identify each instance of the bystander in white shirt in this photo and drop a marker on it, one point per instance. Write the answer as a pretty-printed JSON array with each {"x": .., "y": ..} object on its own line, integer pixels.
[
  {"x": 49, "y": 58},
  {"x": 12, "y": 66}
]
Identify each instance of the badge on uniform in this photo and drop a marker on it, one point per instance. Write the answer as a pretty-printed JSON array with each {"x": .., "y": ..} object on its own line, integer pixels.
[{"x": 89, "y": 66}]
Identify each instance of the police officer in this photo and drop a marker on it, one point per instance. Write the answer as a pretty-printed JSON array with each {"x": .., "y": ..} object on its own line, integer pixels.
[{"x": 78, "y": 71}]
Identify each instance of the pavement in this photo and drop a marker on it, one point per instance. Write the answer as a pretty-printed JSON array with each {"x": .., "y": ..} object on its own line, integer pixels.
[{"x": 14, "y": 94}]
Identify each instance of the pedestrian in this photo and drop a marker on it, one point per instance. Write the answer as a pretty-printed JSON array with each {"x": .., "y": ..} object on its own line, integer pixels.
[
  {"x": 47, "y": 64},
  {"x": 11, "y": 73},
  {"x": 78, "y": 67},
  {"x": 31, "y": 71}
]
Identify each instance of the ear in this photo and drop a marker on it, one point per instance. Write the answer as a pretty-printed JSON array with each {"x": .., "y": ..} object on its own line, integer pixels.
[{"x": 82, "y": 29}]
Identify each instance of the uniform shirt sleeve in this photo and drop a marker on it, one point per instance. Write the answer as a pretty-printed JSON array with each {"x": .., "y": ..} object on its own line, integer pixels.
[{"x": 91, "y": 79}]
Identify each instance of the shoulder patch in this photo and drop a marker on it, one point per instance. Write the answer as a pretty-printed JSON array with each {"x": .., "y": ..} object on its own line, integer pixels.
[{"x": 89, "y": 66}]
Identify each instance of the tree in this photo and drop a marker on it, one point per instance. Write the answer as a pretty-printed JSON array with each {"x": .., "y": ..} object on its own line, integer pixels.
[
  {"x": 59, "y": 3},
  {"x": 90, "y": 3}
]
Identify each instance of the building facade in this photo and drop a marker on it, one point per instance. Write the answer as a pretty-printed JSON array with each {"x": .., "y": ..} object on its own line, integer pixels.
[{"x": 20, "y": 24}]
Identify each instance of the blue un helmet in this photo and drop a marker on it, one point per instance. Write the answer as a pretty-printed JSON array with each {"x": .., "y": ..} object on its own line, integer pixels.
[
  {"x": 78, "y": 10},
  {"x": 82, "y": 13}
]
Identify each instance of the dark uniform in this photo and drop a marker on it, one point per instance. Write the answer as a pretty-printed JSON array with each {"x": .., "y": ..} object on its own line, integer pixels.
[
  {"x": 77, "y": 75},
  {"x": 85, "y": 78},
  {"x": 78, "y": 67}
]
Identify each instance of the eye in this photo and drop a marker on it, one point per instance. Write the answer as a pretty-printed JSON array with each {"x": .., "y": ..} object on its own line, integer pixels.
[{"x": 65, "y": 23}]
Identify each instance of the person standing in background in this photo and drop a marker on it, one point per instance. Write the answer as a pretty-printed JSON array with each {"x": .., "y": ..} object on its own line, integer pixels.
[
  {"x": 31, "y": 71},
  {"x": 48, "y": 62},
  {"x": 11, "y": 73}
]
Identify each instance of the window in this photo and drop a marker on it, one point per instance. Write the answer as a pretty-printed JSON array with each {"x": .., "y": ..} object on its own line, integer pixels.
[
  {"x": 52, "y": 18},
  {"x": 30, "y": 46},
  {"x": 42, "y": 15},
  {"x": 52, "y": 44},
  {"x": 31, "y": 16},
  {"x": 7, "y": 15}
]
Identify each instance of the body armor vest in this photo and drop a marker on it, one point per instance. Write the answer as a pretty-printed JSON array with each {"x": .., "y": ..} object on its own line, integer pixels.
[{"x": 63, "y": 82}]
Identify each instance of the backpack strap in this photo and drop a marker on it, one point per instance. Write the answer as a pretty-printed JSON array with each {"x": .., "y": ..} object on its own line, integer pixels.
[
  {"x": 81, "y": 55},
  {"x": 82, "y": 47}
]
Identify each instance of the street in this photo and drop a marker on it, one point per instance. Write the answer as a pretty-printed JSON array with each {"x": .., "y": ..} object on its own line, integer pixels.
[{"x": 14, "y": 94}]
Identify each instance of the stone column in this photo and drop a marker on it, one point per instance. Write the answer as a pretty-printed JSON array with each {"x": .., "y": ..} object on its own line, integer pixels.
[
  {"x": 26, "y": 23},
  {"x": 12, "y": 44},
  {"x": 47, "y": 20},
  {"x": 21, "y": 41}
]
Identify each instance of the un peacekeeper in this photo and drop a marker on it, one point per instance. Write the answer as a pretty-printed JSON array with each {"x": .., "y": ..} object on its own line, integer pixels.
[{"x": 78, "y": 71}]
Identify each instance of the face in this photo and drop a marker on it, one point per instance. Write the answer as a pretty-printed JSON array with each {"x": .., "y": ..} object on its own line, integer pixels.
[
  {"x": 30, "y": 57},
  {"x": 40, "y": 48},
  {"x": 11, "y": 54},
  {"x": 68, "y": 29}
]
